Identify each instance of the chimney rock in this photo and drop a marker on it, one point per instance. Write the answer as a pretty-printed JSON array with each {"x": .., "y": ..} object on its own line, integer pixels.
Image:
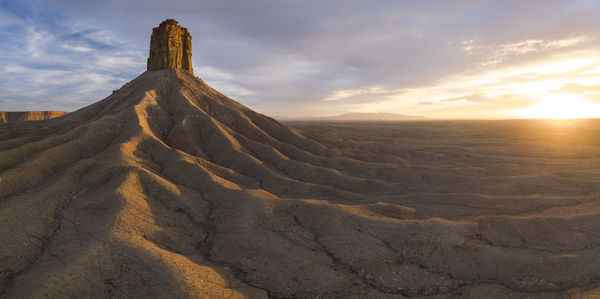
[{"x": 170, "y": 47}]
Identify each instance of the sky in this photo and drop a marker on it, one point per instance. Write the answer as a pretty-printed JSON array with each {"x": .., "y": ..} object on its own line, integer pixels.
[{"x": 308, "y": 58}]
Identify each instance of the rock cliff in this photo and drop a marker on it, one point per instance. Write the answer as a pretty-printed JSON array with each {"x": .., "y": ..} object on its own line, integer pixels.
[
  {"x": 170, "y": 47},
  {"x": 9, "y": 117}
]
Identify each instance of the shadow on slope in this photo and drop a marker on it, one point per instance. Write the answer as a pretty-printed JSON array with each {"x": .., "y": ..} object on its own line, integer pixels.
[{"x": 168, "y": 188}]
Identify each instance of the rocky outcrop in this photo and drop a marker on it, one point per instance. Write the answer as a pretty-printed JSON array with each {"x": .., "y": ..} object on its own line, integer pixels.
[
  {"x": 9, "y": 117},
  {"x": 170, "y": 47}
]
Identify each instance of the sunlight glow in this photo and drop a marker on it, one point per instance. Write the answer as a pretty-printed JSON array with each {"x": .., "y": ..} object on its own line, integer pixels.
[
  {"x": 560, "y": 106},
  {"x": 560, "y": 67},
  {"x": 561, "y": 88}
]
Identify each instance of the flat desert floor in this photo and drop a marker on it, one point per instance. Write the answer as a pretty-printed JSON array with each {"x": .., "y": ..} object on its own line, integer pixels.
[
  {"x": 531, "y": 187},
  {"x": 475, "y": 168}
]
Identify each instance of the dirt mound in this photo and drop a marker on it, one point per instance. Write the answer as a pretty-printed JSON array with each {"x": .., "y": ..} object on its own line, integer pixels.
[{"x": 152, "y": 187}]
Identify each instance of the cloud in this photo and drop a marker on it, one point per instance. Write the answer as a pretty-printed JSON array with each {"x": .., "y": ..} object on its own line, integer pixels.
[
  {"x": 496, "y": 54},
  {"x": 49, "y": 66},
  {"x": 471, "y": 98},
  {"x": 225, "y": 83},
  {"x": 76, "y": 48},
  {"x": 348, "y": 93},
  {"x": 488, "y": 93}
]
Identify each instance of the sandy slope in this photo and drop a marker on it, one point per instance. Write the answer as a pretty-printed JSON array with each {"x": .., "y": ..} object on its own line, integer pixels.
[{"x": 169, "y": 189}]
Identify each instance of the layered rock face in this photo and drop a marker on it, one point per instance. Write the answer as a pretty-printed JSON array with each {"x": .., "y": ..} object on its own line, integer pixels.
[
  {"x": 9, "y": 117},
  {"x": 170, "y": 47}
]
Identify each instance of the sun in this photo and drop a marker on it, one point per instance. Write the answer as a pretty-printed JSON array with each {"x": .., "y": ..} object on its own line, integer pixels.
[{"x": 560, "y": 106}]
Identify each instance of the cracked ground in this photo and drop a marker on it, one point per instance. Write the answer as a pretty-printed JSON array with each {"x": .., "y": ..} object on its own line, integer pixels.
[{"x": 169, "y": 189}]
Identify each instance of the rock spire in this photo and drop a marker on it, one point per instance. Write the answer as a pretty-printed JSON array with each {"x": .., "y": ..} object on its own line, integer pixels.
[{"x": 170, "y": 47}]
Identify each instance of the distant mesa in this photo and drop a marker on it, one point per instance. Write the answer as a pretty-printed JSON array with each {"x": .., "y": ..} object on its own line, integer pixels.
[
  {"x": 170, "y": 47},
  {"x": 365, "y": 117},
  {"x": 377, "y": 117},
  {"x": 17, "y": 116}
]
